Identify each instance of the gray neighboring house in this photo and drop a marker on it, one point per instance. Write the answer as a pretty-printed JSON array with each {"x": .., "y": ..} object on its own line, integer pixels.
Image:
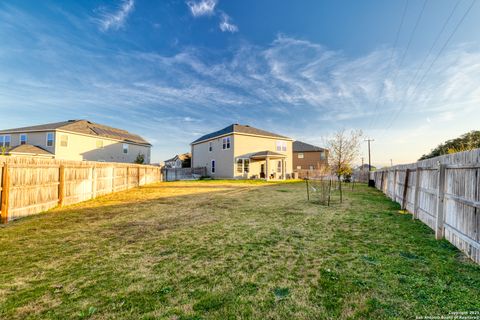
[
  {"x": 75, "y": 140},
  {"x": 179, "y": 161}
]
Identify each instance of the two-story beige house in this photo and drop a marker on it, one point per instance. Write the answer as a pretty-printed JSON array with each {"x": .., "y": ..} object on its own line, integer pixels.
[
  {"x": 75, "y": 140},
  {"x": 243, "y": 152}
]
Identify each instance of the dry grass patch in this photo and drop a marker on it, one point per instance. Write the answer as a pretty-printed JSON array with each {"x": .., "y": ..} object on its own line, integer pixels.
[{"x": 226, "y": 249}]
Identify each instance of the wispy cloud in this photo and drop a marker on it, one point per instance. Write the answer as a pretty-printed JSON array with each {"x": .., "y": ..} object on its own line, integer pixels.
[
  {"x": 115, "y": 19},
  {"x": 202, "y": 7},
  {"x": 226, "y": 25},
  {"x": 292, "y": 86}
]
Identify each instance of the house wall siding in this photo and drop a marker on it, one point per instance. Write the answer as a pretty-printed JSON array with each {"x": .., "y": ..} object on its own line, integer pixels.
[
  {"x": 202, "y": 157},
  {"x": 310, "y": 158}
]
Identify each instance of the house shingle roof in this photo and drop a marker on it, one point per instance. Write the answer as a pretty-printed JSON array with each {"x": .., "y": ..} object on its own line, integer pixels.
[
  {"x": 299, "y": 146},
  {"x": 84, "y": 127},
  {"x": 238, "y": 128},
  {"x": 29, "y": 149},
  {"x": 267, "y": 153}
]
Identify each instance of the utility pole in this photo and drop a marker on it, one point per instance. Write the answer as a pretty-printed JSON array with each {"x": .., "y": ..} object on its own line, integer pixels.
[{"x": 371, "y": 183}]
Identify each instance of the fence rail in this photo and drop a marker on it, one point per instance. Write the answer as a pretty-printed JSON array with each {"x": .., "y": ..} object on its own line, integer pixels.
[
  {"x": 174, "y": 174},
  {"x": 31, "y": 185},
  {"x": 444, "y": 193}
]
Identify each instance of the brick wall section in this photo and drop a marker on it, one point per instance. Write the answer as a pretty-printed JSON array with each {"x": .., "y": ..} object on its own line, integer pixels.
[{"x": 310, "y": 158}]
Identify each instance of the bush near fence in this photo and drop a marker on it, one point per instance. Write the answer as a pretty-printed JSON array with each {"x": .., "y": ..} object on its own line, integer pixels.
[
  {"x": 32, "y": 185},
  {"x": 443, "y": 192}
]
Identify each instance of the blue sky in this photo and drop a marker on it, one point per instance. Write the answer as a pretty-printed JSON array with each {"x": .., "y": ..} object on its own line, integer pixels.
[{"x": 174, "y": 70}]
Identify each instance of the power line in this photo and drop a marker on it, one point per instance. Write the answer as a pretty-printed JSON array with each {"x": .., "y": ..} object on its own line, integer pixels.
[
  {"x": 373, "y": 119},
  {"x": 412, "y": 34},
  {"x": 433, "y": 62}
]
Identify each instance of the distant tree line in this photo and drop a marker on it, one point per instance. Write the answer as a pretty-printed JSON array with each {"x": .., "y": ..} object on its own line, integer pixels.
[{"x": 468, "y": 141}]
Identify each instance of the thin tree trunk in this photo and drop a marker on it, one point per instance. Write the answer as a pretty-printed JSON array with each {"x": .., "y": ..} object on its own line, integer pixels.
[{"x": 340, "y": 188}]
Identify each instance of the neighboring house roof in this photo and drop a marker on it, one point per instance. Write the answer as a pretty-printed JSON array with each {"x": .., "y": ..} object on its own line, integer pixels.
[
  {"x": 29, "y": 149},
  {"x": 238, "y": 128},
  {"x": 84, "y": 127},
  {"x": 181, "y": 157},
  {"x": 299, "y": 146}
]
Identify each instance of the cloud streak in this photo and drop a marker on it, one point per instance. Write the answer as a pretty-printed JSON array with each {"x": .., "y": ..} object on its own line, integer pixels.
[
  {"x": 226, "y": 25},
  {"x": 202, "y": 8},
  {"x": 115, "y": 20}
]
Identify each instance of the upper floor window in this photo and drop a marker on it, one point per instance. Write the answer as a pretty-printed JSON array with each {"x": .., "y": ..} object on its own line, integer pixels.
[
  {"x": 210, "y": 146},
  {"x": 281, "y": 146},
  {"x": 64, "y": 140},
  {"x": 5, "y": 141},
  {"x": 125, "y": 148},
  {"x": 300, "y": 156},
  {"x": 23, "y": 138},
  {"x": 99, "y": 144},
  {"x": 323, "y": 155},
  {"x": 50, "y": 137},
  {"x": 226, "y": 143}
]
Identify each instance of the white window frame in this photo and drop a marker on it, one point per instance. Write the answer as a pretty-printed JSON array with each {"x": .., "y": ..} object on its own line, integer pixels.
[
  {"x": 3, "y": 143},
  {"x": 323, "y": 155},
  {"x": 20, "y": 138},
  {"x": 301, "y": 155},
  {"x": 281, "y": 145},
  {"x": 53, "y": 139},
  {"x": 226, "y": 143},
  {"x": 125, "y": 148},
  {"x": 213, "y": 166},
  {"x": 62, "y": 141},
  {"x": 299, "y": 167},
  {"x": 242, "y": 165}
]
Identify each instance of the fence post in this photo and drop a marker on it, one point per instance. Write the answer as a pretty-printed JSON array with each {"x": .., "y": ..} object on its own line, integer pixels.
[
  {"x": 128, "y": 177},
  {"x": 405, "y": 190},
  {"x": 439, "y": 227},
  {"x": 417, "y": 192},
  {"x": 5, "y": 193},
  {"x": 138, "y": 176},
  {"x": 94, "y": 182},
  {"x": 395, "y": 185},
  {"x": 113, "y": 179},
  {"x": 61, "y": 185},
  {"x": 381, "y": 182}
]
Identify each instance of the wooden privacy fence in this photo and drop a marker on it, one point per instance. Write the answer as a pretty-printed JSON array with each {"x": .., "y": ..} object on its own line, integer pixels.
[
  {"x": 173, "y": 174},
  {"x": 444, "y": 193},
  {"x": 31, "y": 185}
]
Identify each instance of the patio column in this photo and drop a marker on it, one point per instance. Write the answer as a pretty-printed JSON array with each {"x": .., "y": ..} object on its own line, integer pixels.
[
  {"x": 267, "y": 174},
  {"x": 284, "y": 170}
]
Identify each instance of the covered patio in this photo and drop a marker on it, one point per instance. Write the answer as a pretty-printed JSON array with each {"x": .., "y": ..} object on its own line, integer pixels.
[{"x": 272, "y": 165}]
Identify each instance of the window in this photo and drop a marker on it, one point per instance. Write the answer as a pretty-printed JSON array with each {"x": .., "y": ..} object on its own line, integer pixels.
[
  {"x": 323, "y": 155},
  {"x": 125, "y": 148},
  {"x": 23, "y": 138},
  {"x": 240, "y": 166},
  {"x": 99, "y": 144},
  {"x": 243, "y": 165},
  {"x": 226, "y": 143},
  {"x": 299, "y": 167},
  {"x": 5, "y": 141},
  {"x": 246, "y": 165},
  {"x": 279, "y": 166},
  {"x": 50, "y": 138},
  {"x": 64, "y": 140},
  {"x": 210, "y": 146},
  {"x": 311, "y": 167},
  {"x": 212, "y": 168},
  {"x": 300, "y": 156},
  {"x": 281, "y": 146}
]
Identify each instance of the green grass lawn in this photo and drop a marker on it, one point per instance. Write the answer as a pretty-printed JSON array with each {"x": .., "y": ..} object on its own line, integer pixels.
[{"x": 223, "y": 250}]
